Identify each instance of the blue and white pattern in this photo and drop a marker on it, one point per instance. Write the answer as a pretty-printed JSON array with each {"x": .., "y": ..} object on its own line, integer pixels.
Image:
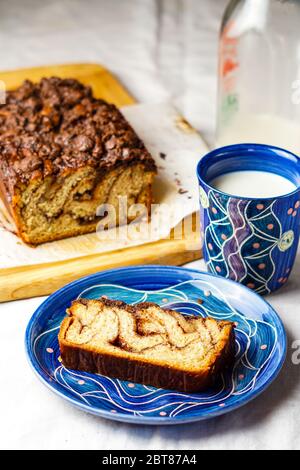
[
  {"x": 250, "y": 241},
  {"x": 260, "y": 345}
]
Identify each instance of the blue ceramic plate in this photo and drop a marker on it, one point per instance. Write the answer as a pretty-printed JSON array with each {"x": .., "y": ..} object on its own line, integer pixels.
[{"x": 260, "y": 345}]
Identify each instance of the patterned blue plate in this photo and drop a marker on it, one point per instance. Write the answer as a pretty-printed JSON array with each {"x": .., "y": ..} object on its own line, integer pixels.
[{"x": 260, "y": 344}]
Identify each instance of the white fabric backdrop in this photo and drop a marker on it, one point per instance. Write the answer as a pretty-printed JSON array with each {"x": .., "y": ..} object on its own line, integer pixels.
[{"x": 160, "y": 50}]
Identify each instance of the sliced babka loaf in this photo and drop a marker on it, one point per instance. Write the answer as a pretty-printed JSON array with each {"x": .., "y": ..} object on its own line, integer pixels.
[
  {"x": 65, "y": 156},
  {"x": 145, "y": 343}
]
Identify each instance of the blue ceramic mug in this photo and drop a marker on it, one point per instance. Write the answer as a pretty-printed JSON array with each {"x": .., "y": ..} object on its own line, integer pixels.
[{"x": 250, "y": 240}]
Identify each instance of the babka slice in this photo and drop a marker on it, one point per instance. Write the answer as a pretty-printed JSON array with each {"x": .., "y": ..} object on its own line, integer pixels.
[{"x": 145, "y": 343}]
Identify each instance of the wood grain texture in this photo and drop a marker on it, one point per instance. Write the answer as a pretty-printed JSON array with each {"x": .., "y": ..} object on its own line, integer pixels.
[
  {"x": 42, "y": 279},
  {"x": 103, "y": 83}
]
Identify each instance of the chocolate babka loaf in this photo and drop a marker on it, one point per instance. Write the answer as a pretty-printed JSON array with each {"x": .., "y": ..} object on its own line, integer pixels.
[
  {"x": 145, "y": 343},
  {"x": 63, "y": 154}
]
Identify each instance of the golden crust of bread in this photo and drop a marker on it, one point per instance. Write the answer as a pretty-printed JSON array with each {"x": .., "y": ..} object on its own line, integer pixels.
[{"x": 145, "y": 344}]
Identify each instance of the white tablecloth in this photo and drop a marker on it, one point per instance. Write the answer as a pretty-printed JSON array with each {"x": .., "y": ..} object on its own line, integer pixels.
[{"x": 164, "y": 49}]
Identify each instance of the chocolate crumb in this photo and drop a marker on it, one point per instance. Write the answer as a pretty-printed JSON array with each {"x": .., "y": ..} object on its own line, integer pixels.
[
  {"x": 50, "y": 127},
  {"x": 200, "y": 301},
  {"x": 162, "y": 155},
  {"x": 182, "y": 191}
]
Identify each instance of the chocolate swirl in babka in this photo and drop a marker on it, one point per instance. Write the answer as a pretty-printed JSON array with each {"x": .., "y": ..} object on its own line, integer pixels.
[{"x": 145, "y": 343}]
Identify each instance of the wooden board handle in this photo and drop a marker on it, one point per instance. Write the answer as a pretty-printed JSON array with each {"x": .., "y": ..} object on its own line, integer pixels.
[{"x": 43, "y": 279}]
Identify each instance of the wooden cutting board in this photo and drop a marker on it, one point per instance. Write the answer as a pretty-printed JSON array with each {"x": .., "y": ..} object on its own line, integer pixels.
[{"x": 42, "y": 279}]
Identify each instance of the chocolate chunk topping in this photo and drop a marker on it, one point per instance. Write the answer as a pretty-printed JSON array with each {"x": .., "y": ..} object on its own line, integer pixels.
[{"x": 57, "y": 124}]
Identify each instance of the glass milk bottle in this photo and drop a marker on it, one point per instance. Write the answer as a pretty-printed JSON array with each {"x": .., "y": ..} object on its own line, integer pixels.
[{"x": 259, "y": 74}]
